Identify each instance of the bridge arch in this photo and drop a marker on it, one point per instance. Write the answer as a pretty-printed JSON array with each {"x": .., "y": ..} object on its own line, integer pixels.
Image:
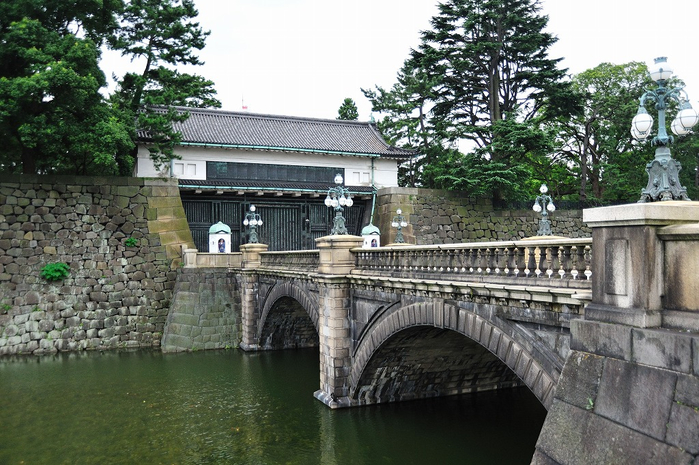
[
  {"x": 288, "y": 310},
  {"x": 436, "y": 319}
]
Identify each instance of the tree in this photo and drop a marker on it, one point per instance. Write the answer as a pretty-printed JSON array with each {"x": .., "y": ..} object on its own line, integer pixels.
[
  {"x": 348, "y": 110},
  {"x": 405, "y": 122},
  {"x": 162, "y": 35},
  {"x": 491, "y": 85},
  {"x": 596, "y": 144},
  {"x": 50, "y": 107}
]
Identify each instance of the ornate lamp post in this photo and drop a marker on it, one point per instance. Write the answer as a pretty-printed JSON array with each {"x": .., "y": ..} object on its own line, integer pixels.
[
  {"x": 338, "y": 197},
  {"x": 399, "y": 223},
  {"x": 540, "y": 206},
  {"x": 663, "y": 171},
  {"x": 252, "y": 221}
]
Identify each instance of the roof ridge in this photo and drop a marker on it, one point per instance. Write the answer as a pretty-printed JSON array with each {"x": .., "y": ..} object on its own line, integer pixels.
[{"x": 220, "y": 112}]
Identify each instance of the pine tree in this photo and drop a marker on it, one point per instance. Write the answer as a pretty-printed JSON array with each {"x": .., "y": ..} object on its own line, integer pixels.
[
  {"x": 494, "y": 81},
  {"x": 53, "y": 118},
  {"x": 348, "y": 110},
  {"x": 161, "y": 34}
]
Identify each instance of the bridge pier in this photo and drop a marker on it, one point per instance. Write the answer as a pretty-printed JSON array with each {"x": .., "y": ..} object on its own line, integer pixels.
[
  {"x": 629, "y": 391},
  {"x": 249, "y": 287},
  {"x": 336, "y": 261}
]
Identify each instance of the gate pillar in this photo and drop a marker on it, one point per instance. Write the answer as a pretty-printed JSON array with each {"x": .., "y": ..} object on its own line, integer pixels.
[
  {"x": 249, "y": 300},
  {"x": 336, "y": 262}
]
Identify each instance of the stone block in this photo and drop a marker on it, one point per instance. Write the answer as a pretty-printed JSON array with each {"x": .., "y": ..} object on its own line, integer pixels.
[
  {"x": 636, "y": 396},
  {"x": 575, "y": 436},
  {"x": 601, "y": 338},
  {"x": 663, "y": 349},
  {"x": 683, "y": 428}
]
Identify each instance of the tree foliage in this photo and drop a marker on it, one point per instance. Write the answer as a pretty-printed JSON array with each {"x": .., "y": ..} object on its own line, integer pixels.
[
  {"x": 348, "y": 110},
  {"x": 161, "y": 35},
  {"x": 481, "y": 78},
  {"x": 52, "y": 117}
]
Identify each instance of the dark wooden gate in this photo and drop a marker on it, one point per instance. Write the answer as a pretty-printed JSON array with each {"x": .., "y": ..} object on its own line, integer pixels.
[{"x": 287, "y": 224}]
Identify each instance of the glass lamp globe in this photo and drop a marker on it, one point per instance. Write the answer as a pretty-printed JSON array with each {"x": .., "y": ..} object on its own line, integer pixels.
[
  {"x": 252, "y": 208},
  {"x": 394, "y": 224},
  {"x": 334, "y": 203},
  {"x": 551, "y": 207},
  {"x": 543, "y": 189},
  {"x": 687, "y": 116},
  {"x": 660, "y": 70},
  {"x": 678, "y": 128},
  {"x": 399, "y": 211},
  {"x": 246, "y": 222},
  {"x": 637, "y": 135},
  {"x": 537, "y": 207},
  {"x": 404, "y": 224},
  {"x": 259, "y": 222},
  {"x": 328, "y": 201},
  {"x": 338, "y": 178},
  {"x": 253, "y": 222},
  {"x": 642, "y": 122},
  {"x": 349, "y": 202}
]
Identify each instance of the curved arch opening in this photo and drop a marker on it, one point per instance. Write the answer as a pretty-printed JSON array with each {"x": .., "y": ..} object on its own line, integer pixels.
[
  {"x": 425, "y": 361},
  {"x": 288, "y": 326}
]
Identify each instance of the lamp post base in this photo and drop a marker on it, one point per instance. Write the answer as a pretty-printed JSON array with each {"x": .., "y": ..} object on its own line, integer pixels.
[{"x": 663, "y": 179}]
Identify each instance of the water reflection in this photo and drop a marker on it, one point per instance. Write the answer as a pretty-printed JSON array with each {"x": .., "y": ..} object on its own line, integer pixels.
[{"x": 232, "y": 407}]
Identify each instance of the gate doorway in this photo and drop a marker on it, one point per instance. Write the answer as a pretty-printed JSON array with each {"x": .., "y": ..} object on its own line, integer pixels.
[{"x": 288, "y": 224}]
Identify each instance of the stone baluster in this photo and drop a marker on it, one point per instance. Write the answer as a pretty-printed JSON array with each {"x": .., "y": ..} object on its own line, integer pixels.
[
  {"x": 508, "y": 260},
  {"x": 588, "y": 260},
  {"x": 551, "y": 260},
  {"x": 565, "y": 261}
]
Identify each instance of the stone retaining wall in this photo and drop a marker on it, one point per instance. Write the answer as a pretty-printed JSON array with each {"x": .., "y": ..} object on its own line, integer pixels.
[
  {"x": 116, "y": 295},
  {"x": 448, "y": 217}
]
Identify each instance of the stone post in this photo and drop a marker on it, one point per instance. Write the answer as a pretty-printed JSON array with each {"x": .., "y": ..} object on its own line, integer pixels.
[
  {"x": 628, "y": 262},
  {"x": 336, "y": 262},
  {"x": 250, "y": 310},
  {"x": 629, "y": 390}
]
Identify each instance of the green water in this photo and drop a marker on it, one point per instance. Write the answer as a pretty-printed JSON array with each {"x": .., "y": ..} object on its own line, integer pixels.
[{"x": 230, "y": 407}]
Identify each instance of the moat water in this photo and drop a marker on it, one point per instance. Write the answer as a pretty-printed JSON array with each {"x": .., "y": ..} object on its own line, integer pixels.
[{"x": 231, "y": 407}]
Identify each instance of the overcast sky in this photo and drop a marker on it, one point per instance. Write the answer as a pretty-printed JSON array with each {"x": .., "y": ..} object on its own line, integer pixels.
[{"x": 304, "y": 57}]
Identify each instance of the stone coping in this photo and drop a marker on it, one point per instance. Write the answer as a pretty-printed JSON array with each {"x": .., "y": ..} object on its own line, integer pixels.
[{"x": 637, "y": 214}]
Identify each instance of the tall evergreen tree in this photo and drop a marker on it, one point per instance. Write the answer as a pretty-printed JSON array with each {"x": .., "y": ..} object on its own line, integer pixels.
[
  {"x": 494, "y": 81},
  {"x": 52, "y": 117},
  {"x": 348, "y": 110},
  {"x": 161, "y": 34},
  {"x": 405, "y": 122}
]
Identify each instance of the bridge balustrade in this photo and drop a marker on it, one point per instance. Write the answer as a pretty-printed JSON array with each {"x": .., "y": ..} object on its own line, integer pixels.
[{"x": 561, "y": 262}]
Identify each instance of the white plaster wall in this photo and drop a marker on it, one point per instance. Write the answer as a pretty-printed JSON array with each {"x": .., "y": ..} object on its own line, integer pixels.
[{"x": 193, "y": 164}]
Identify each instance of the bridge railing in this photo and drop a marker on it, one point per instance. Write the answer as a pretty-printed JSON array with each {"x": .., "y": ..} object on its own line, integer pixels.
[
  {"x": 564, "y": 260},
  {"x": 294, "y": 260}
]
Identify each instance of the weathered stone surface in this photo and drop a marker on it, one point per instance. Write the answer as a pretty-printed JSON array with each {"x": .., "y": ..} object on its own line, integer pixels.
[
  {"x": 579, "y": 381},
  {"x": 444, "y": 217},
  {"x": 575, "y": 436},
  {"x": 663, "y": 349},
  {"x": 636, "y": 396},
  {"x": 80, "y": 222}
]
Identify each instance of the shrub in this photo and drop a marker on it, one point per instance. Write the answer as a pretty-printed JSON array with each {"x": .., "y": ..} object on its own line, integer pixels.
[
  {"x": 55, "y": 271},
  {"x": 131, "y": 242}
]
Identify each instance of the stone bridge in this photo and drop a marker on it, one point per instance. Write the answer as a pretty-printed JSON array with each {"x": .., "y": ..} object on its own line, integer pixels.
[
  {"x": 604, "y": 331},
  {"x": 398, "y": 323}
]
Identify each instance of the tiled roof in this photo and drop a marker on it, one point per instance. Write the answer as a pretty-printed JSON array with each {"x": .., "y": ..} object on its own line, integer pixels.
[
  {"x": 267, "y": 185},
  {"x": 259, "y": 131}
]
